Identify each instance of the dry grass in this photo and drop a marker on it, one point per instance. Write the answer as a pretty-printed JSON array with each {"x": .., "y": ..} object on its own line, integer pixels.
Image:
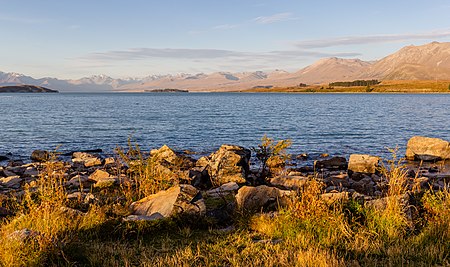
[
  {"x": 307, "y": 232},
  {"x": 388, "y": 86}
]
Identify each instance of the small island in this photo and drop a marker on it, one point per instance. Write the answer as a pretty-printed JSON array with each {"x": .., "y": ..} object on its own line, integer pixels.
[
  {"x": 167, "y": 90},
  {"x": 25, "y": 89}
]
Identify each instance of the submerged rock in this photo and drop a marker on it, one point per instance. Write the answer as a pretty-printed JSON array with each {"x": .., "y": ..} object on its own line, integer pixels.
[
  {"x": 334, "y": 163},
  {"x": 427, "y": 149}
]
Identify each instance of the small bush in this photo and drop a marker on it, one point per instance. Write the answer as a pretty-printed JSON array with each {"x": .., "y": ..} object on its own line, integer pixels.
[{"x": 272, "y": 155}]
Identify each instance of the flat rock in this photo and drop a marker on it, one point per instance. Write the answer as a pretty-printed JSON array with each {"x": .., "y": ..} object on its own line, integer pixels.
[
  {"x": 289, "y": 182},
  {"x": 223, "y": 190},
  {"x": 180, "y": 199},
  {"x": 11, "y": 181},
  {"x": 98, "y": 175}
]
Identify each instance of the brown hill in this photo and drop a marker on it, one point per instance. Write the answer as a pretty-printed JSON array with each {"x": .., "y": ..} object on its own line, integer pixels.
[{"x": 425, "y": 62}]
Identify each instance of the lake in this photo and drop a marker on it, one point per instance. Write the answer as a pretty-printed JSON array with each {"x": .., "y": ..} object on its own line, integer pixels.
[{"x": 338, "y": 124}]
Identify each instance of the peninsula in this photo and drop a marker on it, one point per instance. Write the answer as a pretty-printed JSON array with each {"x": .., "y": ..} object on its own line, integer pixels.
[{"x": 25, "y": 89}]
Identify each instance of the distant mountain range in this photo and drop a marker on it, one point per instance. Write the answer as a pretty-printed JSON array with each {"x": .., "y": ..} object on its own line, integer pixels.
[{"x": 425, "y": 62}]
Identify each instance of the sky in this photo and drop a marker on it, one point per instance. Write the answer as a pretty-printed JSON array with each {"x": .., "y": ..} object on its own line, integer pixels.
[{"x": 137, "y": 38}]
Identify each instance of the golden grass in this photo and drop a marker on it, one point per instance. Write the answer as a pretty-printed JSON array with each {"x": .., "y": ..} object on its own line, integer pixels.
[
  {"x": 388, "y": 86},
  {"x": 307, "y": 232}
]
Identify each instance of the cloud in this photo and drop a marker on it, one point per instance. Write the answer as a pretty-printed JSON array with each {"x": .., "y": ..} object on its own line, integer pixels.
[
  {"x": 226, "y": 26},
  {"x": 274, "y": 18},
  {"x": 370, "y": 39},
  {"x": 204, "y": 55},
  {"x": 145, "y": 53},
  {"x": 22, "y": 20}
]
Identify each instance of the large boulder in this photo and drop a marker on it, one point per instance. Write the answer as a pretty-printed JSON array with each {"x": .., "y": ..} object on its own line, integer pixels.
[
  {"x": 251, "y": 198},
  {"x": 427, "y": 149},
  {"x": 363, "y": 163},
  {"x": 228, "y": 164},
  {"x": 180, "y": 199},
  {"x": 171, "y": 164}
]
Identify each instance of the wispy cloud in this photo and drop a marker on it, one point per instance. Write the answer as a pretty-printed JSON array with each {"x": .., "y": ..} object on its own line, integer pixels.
[
  {"x": 279, "y": 17},
  {"x": 226, "y": 26},
  {"x": 23, "y": 20},
  {"x": 370, "y": 39},
  {"x": 144, "y": 53},
  {"x": 202, "y": 54}
]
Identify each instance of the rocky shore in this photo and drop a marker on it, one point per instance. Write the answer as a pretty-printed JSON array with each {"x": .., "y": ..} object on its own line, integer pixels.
[{"x": 220, "y": 184}]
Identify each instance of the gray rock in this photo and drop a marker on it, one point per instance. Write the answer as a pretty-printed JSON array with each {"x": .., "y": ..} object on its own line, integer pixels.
[
  {"x": 180, "y": 199},
  {"x": 171, "y": 164},
  {"x": 289, "y": 182},
  {"x": 261, "y": 197},
  {"x": 364, "y": 186},
  {"x": 334, "y": 197},
  {"x": 223, "y": 190},
  {"x": 8, "y": 173},
  {"x": 98, "y": 175},
  {"x": 11, "y": 181},
  {"x": 40, "y": 156},
  {"x": 31, "y": 172},
  {"x": 427, "y": 149},
  {"x": 334, "y": 163},
  {"x": 341, "y": 180},
  {"x": 228, "y": 164},
  {"x": 88, "y": 160},
  {"x": 78, "y": 180}
]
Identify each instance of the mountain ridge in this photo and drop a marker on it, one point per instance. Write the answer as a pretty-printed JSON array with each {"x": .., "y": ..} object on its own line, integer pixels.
[{"x": 425, "y": 62}]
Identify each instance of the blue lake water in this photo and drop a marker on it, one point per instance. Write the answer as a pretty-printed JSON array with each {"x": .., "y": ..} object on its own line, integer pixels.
[{"x": 338, "y": 124}]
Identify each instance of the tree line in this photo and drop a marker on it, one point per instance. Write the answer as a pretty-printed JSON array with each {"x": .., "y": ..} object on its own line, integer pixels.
[{"x": 355, "y": 83}]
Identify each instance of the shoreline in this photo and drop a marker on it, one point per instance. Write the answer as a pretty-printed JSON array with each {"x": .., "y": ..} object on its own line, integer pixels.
[{"x": 137, "y": 202}]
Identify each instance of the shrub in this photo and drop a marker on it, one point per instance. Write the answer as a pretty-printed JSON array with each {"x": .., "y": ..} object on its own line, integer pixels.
[{"x": 272, "y": 155}]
